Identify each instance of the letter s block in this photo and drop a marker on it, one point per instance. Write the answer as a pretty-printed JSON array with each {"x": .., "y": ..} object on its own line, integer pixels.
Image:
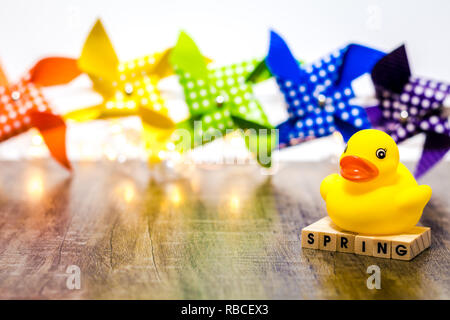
[{"x": 310, "y": 238}]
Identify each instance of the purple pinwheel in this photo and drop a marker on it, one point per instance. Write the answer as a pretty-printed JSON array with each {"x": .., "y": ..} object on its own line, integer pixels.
[{"x": 410, "y": 105}]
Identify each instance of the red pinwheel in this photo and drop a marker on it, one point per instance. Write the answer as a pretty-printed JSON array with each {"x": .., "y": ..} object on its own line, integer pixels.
[{"x": 22, "y": 105}]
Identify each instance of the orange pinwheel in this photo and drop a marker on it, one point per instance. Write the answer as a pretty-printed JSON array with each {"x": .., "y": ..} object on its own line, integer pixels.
[{"x": 23, "y": 106}]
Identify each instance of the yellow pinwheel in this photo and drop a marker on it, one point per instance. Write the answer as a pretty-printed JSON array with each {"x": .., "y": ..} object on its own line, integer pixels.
[{"x": 128, "y": 89}]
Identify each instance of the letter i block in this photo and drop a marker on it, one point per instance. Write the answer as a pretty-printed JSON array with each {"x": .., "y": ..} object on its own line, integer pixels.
[{"x": 363, "y": 245}]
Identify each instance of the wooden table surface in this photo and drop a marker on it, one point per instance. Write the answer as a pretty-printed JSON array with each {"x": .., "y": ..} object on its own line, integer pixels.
[{"x": 220, "y": 232}]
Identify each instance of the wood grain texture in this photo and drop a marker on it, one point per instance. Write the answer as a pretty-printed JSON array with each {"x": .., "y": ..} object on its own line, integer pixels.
[{"x": 210, "y": 233}]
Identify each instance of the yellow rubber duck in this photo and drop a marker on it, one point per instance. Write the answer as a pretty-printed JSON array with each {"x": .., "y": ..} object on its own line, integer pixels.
[{"x": 374, "y": 194}]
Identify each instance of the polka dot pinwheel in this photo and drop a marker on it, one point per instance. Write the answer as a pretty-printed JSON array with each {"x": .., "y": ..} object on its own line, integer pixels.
[
  {"x": 128, "y": 89},
  {"x": 410, "y": 105},
  {"x": 220, "y": 100},
  {"x": 318, "y": 95},
  {"x": 23, "y": 106}
]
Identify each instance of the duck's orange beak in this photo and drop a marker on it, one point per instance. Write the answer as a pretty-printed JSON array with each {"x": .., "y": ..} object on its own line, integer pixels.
[{"x": 357, "y": 169}]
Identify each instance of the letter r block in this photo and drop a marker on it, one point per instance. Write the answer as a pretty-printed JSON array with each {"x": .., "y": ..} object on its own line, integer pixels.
[{"x": 345, "y": 242}]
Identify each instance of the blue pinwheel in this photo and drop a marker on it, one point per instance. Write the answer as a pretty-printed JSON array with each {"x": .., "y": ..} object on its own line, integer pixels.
[{"x": 318, "y": 95}]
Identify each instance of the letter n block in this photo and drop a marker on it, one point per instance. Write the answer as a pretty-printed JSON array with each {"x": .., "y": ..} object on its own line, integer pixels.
[{"x": 381, "y": 247}]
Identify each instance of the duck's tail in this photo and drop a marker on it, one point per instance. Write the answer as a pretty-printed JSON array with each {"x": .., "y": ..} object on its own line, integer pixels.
[{"x": 327, "y": 183}]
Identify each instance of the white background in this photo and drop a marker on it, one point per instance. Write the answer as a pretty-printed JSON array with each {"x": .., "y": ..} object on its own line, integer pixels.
[{"x": 227, "y": 31}]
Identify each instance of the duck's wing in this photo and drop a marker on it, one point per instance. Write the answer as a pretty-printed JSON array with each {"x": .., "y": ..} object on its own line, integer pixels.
[{"x": 414, "y": 197}]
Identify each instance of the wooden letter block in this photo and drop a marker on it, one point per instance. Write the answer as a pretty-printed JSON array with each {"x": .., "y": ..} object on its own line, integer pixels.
[
  {"x": 346, "y": 242},
  {"x": 327, "y": 241},
  {"x": 325, "y": 235},
  {"x": 310, "y": 239},
  {"x": 427, "y": 237},
  {"x": 310, "y": 236},
  {"x": 363, "y": 245},
  {"x": 409, "y": 245},
  {"x": 381, "y": 247},
  {"x": 320, "y": 235},
  {"x": 328, "y": 235},
  {"x": 403, "y": 250}
]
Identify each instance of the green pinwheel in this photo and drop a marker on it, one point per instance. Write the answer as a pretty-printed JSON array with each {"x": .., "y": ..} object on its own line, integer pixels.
[{"x": 220, "y": 101}]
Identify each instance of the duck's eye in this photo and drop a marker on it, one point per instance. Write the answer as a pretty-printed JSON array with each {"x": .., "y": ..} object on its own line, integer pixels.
[
  {"x": 346, "y": 147},
  {"x": 381, "y": 153}
]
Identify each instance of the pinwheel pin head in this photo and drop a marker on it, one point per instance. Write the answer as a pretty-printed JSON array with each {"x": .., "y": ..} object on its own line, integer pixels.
[
  {"x": 130, "y": 94},
  {"x": 370, "y": 154},
  {"x": 220, "y": 100},
  {"x": 321, "y": 100}
]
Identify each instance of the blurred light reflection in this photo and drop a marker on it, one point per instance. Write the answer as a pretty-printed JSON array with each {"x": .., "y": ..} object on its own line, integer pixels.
[{"x": 35, "y": 185}]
